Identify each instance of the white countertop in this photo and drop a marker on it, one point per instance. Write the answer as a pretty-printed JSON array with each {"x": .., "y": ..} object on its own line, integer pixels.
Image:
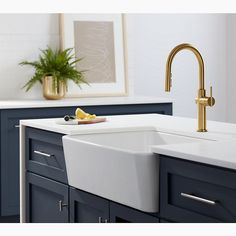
[
  {"x": 219, "y": 147},
  {"x": 15, "y": 104},
  {"x": 219, "y": 153}
]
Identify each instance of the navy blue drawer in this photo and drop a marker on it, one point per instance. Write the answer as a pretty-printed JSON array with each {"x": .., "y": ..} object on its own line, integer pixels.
[
  {"x": 45, "y": 156},
  {"x": 192, "y": 192}
]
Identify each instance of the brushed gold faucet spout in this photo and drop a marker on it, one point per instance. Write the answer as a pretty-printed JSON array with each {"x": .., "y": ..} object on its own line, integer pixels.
[{"x": 201, "y": 100}]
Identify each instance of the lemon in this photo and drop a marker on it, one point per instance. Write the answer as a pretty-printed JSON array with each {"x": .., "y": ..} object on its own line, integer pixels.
[
  {"x": 80, "y": 114},
  {"x": 91, "y": 116}
]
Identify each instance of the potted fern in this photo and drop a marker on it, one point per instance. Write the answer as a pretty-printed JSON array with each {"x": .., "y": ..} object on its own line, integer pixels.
[{"x": 53, "y": 70}]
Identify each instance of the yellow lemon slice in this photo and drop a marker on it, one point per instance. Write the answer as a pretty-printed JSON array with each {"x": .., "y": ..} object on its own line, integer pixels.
[
  {"x": 80, "y": 114},
  {"x": 91, "y": 116}
]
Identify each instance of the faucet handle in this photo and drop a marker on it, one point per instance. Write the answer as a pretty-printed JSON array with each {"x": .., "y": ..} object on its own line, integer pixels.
[{"x": 211, "y": 99}]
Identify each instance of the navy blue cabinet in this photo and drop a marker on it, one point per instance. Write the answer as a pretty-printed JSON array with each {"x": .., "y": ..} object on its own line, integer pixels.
[
  {"x": 9, "y": 144},
  {"x": 9, "y": 159},
  {"x": 193, "y": 192},
  {"x": 47, "y": 200},
  {"x": 87, "y": 208}
]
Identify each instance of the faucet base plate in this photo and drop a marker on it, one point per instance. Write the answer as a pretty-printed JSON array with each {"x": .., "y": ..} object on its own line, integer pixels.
[{"x": 202, "y": 130}]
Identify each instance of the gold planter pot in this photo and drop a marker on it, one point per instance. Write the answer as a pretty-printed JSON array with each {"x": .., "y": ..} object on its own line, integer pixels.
[{"x": 53, "y": 89}]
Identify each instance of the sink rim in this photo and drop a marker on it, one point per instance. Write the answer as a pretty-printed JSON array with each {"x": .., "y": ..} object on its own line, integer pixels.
[
  {"x": 195, "y": 139},
  {"x": 107, "y": 147}
]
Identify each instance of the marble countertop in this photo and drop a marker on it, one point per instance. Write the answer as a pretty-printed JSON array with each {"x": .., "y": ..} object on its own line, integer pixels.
[
  {"x": 218, "y": 147},
  {"x": 15, "y": 104}
]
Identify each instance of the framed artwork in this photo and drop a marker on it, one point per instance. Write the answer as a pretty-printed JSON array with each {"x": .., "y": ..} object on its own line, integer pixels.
[{"x": 99, "y": 39}]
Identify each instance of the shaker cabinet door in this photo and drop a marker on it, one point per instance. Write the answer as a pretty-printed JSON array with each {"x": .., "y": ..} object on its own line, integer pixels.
[
  {"x": 88, "y": 208},
  {"x": 47, "y": 200}
]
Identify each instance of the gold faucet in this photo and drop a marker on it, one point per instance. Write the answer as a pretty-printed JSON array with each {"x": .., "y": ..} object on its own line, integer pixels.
[{"x": 202, "y": 100}]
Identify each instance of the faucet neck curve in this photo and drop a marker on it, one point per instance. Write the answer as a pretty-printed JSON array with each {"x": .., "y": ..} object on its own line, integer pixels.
[{"x": 170, "y": 58}]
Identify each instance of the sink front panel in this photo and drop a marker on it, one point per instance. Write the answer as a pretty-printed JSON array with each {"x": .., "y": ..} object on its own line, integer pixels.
[{"x": 131, "y": 179}]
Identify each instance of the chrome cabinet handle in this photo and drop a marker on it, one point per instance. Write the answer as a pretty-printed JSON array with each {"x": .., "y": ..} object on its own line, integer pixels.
[
  {"x": 199, "y": 199},
  {"x": 17, "y": 126},
  {"x": 61, "y": 205},
  {"x": 43, "y": 153}
]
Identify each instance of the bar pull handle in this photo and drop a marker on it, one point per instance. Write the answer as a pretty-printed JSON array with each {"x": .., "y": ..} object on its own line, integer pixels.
[
  {"x": 43, "y": 153},
  {"x": 61, "y": 205},
  {"x": 17, "y": 126},
  {"x": 198, "y": 199}
]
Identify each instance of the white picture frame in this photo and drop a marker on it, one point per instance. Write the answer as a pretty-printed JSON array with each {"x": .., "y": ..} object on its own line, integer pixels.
[{"x": 101, "y": 38}]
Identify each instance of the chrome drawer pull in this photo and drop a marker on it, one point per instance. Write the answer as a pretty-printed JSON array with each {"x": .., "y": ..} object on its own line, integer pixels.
[
  {"x": 61, "y": 205},
  {"x": 17, "y": 126},
  {"x": 199, "y": 199},
  {"x": 43, "y": 153}
]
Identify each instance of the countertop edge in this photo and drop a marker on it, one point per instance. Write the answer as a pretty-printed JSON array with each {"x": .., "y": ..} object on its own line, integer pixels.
[{"x": 19, "y": 104}]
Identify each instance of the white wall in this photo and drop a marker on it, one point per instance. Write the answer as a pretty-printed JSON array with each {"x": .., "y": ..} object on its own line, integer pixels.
[
  {"x": 154, "y": 35},
  {"x": 21, "y": 36},
  {"x": 150, "y": 38},
  {"x": 231, "y": 68}
]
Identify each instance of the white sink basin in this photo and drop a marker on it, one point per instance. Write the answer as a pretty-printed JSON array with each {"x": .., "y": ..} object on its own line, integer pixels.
[{"x": 118, "y": 166}]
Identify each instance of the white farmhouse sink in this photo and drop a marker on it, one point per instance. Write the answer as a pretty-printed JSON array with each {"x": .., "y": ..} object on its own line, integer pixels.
[{"x": 118, "y": 166}]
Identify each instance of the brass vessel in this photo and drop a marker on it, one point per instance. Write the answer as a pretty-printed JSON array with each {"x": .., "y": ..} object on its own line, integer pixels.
[
  {"x": 53, "y": 89},
  {"x": 202, "y": 100}
]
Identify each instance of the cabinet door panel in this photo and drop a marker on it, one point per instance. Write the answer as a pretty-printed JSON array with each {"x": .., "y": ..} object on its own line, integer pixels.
[
  {"x": 47, "y": 200},
  {"x": 87, "y": 208},
  {"x": 9, "y": 167}
]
